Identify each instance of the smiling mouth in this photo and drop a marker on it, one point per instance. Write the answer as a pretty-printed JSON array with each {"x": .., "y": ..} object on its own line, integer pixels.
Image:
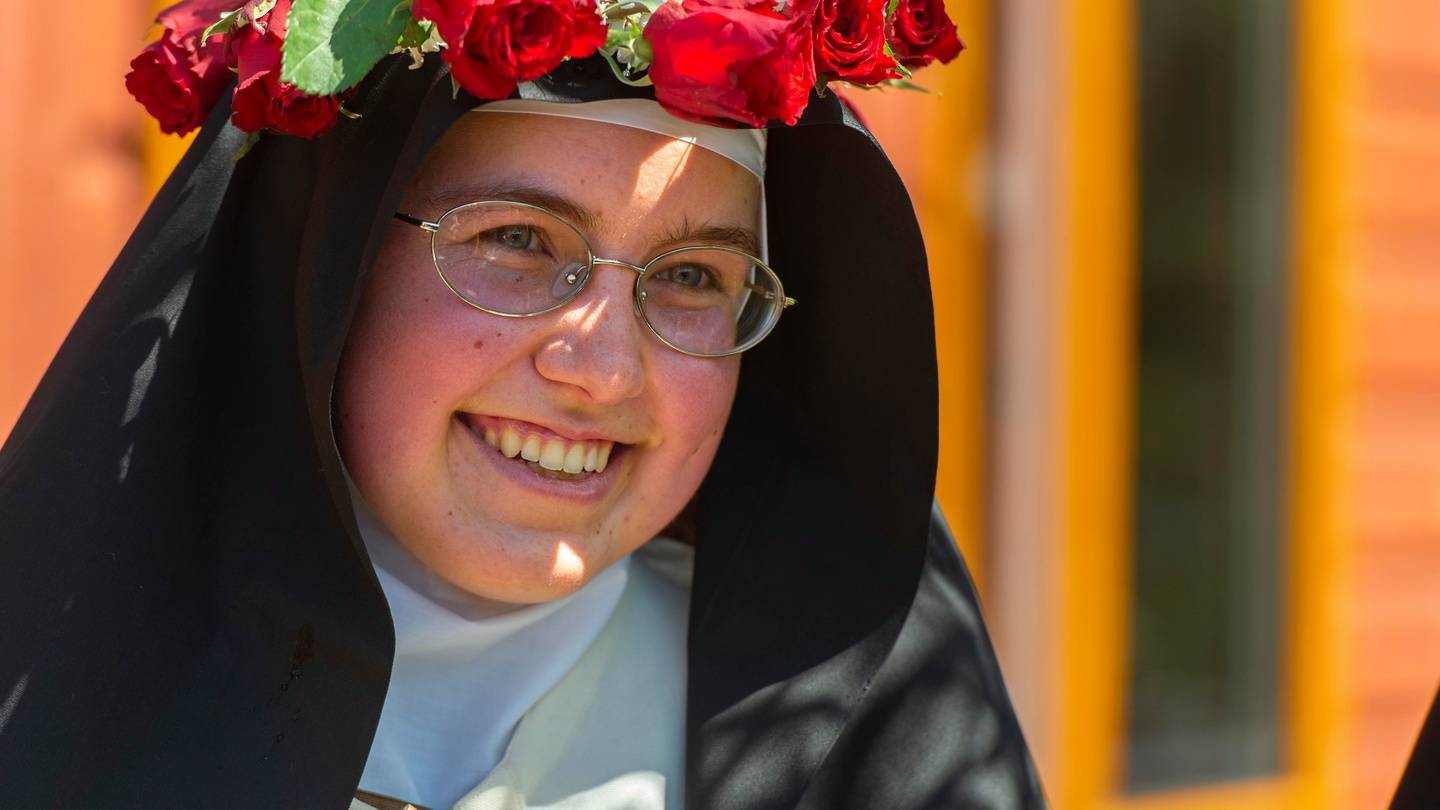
[{"x": 547, "y": 456}]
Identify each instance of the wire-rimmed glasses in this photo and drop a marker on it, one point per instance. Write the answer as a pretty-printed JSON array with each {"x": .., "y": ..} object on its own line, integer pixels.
[{"x": 515, "y": 260}]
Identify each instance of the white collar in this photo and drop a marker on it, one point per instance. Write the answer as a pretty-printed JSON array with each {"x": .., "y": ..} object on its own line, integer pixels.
[{"x": 466, "y": 669}]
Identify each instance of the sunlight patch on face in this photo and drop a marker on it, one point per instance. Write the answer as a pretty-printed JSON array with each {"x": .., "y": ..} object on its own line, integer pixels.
[
  {"x": 659, "y": 170},
  {"x": 567, "y": 566},
  {"x": 585, "y": 319}
]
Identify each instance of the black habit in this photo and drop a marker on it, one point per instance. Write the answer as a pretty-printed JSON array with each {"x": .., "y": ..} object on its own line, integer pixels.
[{"x": 189, "y": 619}]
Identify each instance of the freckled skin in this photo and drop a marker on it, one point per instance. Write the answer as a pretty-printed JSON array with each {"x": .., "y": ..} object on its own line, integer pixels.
[{"x": 412, "y": 361}]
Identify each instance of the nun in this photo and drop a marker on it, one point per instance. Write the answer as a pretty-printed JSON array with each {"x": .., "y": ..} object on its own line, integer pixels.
[{"x": 572, "y": 448}]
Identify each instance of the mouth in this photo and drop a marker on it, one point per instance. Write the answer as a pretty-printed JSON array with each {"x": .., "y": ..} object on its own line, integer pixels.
[{"x": 545, "y": 452}]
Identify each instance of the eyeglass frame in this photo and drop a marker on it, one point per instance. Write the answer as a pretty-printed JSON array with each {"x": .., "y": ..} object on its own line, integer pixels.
[{"x": 637, "y": 295}]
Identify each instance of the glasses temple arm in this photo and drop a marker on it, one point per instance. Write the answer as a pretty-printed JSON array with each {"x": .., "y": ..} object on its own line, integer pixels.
[
  {"x": 423, "y": 225},
  {"x": 770, "y": 296}
]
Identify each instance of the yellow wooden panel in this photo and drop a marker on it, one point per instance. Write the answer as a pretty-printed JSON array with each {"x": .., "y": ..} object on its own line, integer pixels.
[
  {"x": 159, "y": 152},
  {"x": 951, "y": 189},
  {"x": 1097, "y": 419},
  {"x": 1324, "y": 90},
  {"x": 1096, "y": 361},
  {"x": 1269, "y": 794}
]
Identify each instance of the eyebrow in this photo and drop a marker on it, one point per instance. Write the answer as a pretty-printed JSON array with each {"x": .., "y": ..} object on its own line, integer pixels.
[
  {"x": 733, "y": 236},
  {"x": 685, "y": 233},
  {"x": 445, "y": 199}
]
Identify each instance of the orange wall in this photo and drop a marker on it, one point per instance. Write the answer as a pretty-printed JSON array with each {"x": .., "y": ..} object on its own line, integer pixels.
[
  {"x": 70, "y": 176},
  {"x": 1392, "y": 137}
]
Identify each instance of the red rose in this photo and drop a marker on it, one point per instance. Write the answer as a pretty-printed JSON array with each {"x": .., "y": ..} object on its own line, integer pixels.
[
  {"x": 921, "y": 32},
  {"x": 850, "y": 41},
  {"x": 188, "y": 18},
  {"x": 177, "y": 78},
  {"x": 493, "y": 44},
  {"x": 262, "y": 101},
  {"x": 723, "y": 61}
]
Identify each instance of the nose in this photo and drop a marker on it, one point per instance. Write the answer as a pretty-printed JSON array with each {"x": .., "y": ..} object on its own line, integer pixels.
[{"x": 597, "y": 340}]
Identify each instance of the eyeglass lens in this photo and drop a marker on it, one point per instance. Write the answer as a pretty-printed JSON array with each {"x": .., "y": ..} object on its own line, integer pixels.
[{"x": 518, "y": 260}]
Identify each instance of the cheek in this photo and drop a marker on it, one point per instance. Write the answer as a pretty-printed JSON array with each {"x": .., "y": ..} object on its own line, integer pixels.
[
  {"x": 415, "y": 353},
  {"x": 694, "y": 398}
]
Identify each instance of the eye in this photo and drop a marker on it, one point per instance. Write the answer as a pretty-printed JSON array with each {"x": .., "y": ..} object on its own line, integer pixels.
[
  {"x": 692, "y": 276},
  {"x": 514, "y": 237}
]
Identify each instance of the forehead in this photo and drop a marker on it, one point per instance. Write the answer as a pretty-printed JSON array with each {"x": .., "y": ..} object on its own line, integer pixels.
[{"x": 609, "y": 179}]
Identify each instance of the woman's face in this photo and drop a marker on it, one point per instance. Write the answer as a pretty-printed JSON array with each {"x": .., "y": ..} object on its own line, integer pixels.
[{"x": 425, "y": 377}]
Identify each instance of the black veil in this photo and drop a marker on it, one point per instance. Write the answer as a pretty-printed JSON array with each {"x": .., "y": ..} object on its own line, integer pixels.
[{"x": 188, "y": 617}]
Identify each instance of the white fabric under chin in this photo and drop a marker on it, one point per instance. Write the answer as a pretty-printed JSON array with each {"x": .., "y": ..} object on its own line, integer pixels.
[
  {"x": 574, "y": 703},
  {"x": 466, "y": 669},
  {"x": 611, "y": 734}
]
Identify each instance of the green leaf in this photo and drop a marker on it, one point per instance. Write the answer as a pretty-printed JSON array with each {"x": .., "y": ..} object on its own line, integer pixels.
[
  {"x": 622, "y": 75},
  {"x": 331, "y": 44},
  {"x": 251, "y": 139},
  {"x": 228, "y": 22},
  {"x": 231, "y": 20},
  {"x": 622, "y": 10},
  {"x": 643, "y": 50},
  {"x": 904, "y": 71},
  {"x": 902, "y": 84},
  {"x": 400, "y": 7},
  {"x": 416, "y": 33},
  {"x": 618, "y": 38},
  {"x": 419, "y": 38}
]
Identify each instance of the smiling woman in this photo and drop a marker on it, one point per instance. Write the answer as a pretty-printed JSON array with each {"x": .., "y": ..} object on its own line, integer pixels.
[
  {"x": 414, "y": 405},
  {"x": 351, "y": 485}
]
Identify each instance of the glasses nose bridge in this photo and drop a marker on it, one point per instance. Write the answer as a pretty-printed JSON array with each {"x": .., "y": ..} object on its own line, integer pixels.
[
  {"x": 639, "y": 271},
  {"x": 638, "y": 296}
]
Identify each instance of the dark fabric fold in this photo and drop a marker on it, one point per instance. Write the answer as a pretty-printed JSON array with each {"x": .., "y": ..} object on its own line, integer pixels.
[
  {"x": 1419, "y": 787},
  {"x": 934, "y": 730}
]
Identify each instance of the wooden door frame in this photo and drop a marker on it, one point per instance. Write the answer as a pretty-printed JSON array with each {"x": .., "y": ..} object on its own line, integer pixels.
[{"x": 1062, "y": 415}]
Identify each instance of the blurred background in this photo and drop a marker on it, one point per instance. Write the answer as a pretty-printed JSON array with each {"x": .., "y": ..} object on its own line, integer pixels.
[{"x": 1186, "y": 261}]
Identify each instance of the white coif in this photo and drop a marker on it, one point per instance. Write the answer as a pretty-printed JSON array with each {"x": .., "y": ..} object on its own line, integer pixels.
[{"x": 743, "y": 146}]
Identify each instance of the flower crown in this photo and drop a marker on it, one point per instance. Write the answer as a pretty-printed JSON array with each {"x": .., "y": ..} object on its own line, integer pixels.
[{"x": 720, "y": 62}]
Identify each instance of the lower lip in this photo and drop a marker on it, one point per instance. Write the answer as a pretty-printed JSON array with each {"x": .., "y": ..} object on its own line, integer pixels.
[{"x": 589, "y": 489}]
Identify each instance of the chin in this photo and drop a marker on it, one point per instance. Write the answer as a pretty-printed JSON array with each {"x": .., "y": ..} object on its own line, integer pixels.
[{"x": 522, "y": 570}]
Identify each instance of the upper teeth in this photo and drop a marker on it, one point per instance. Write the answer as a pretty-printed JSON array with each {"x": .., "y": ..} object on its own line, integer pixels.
[{"x": 552, "y": 454}]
